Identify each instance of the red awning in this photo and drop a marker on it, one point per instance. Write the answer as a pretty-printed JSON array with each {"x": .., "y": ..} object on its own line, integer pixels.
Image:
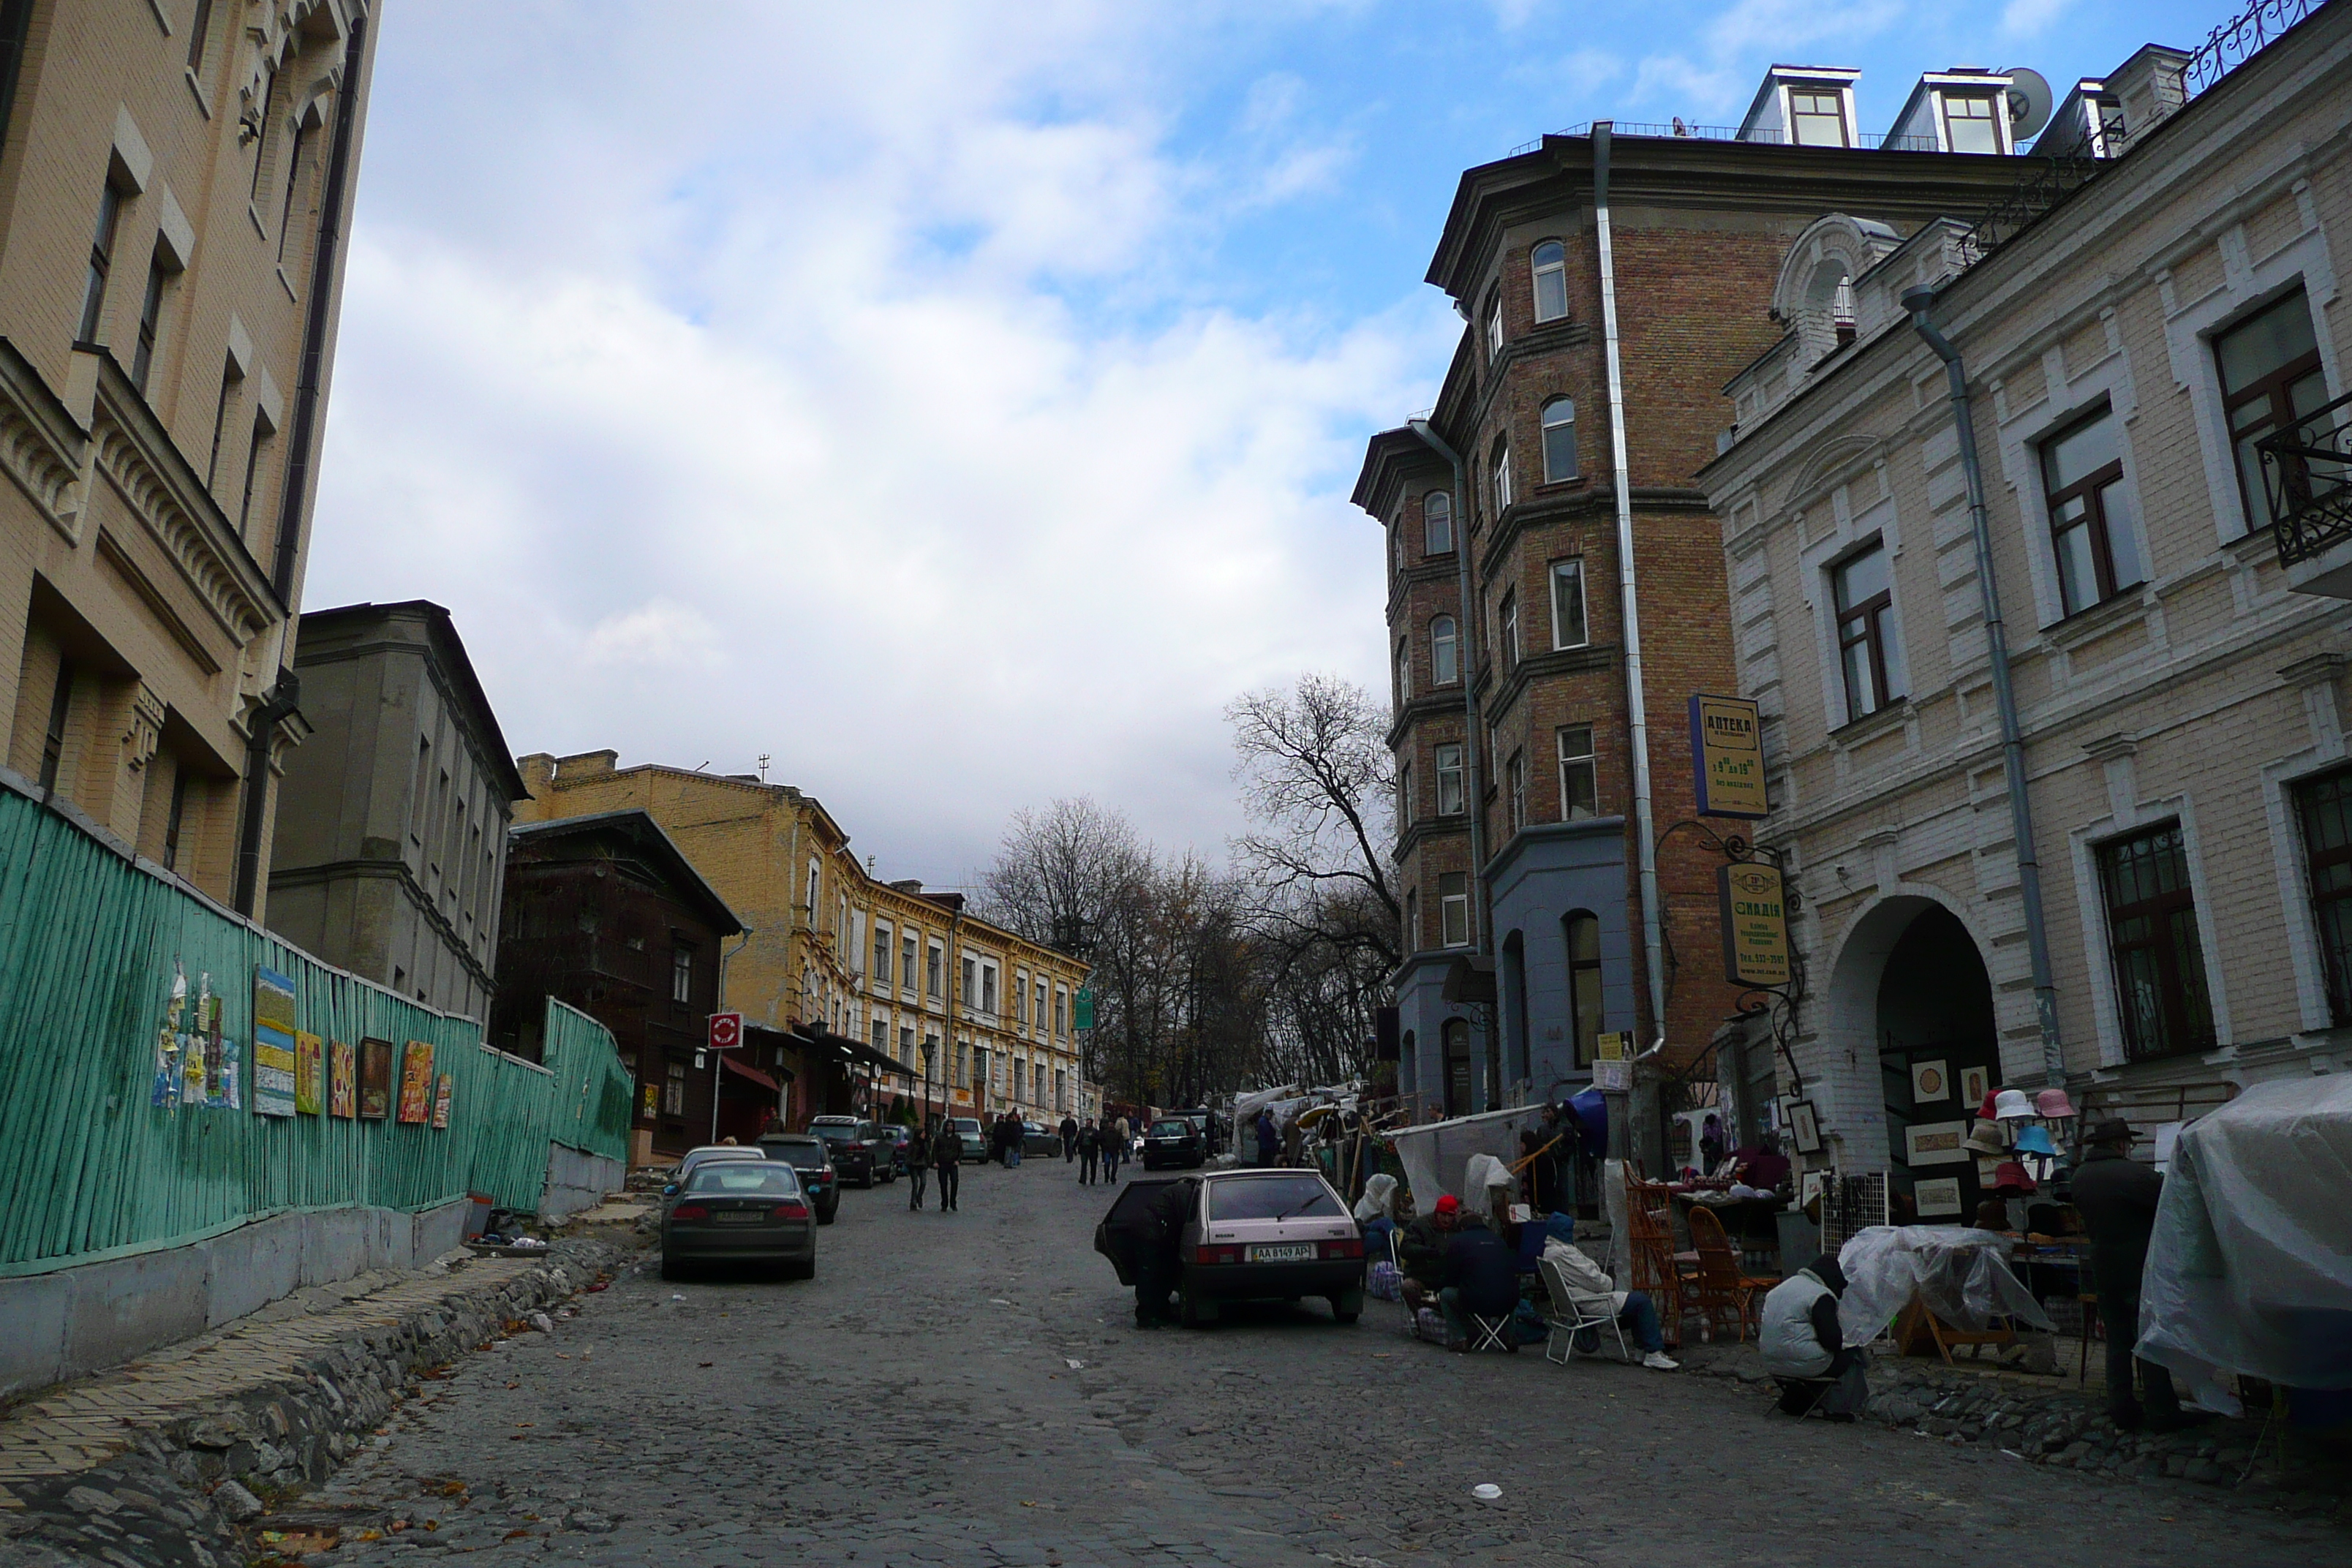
[{"x": 754, "y": 1074}]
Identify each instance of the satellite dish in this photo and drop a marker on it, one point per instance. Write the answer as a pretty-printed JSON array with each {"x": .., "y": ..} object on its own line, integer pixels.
[{"x": 2029, "y": 102}]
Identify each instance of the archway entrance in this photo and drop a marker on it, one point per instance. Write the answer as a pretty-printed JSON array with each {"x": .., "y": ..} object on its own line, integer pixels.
[{"x": 1937, "y": 1053}]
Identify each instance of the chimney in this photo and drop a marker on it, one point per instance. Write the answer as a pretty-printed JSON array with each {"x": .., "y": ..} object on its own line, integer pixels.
[
  {"x": 538, "y": 770},
  {"x": 2151, "y": 88},
  {"x": 585, "y": 765}
]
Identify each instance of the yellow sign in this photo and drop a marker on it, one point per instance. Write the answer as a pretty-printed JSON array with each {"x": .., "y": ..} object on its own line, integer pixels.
[
  {"x": 1755, "y": 924},
  {"x": 1609, "y": 1046},
  {"x": 1727, "y": 756}
]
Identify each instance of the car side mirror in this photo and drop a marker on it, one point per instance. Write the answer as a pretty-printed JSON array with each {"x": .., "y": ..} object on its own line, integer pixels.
[{"x": 670, "y": 1190}]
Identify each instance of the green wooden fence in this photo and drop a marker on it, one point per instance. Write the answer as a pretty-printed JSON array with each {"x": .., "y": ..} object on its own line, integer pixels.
[{"x": 92, "y": 1167}]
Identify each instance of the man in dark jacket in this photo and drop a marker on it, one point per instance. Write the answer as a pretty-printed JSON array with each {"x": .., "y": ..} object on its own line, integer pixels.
[
  {"x": 918, "y": 1167},
  {"x": 2116, "y": 1196},
  {"x": 1482, "y": 1276},
  {"x": 1089, "y": 1152},
  {"x": 1159, "y": 1238},
  {"x": 1421, "y": 1251},
  {"x": 1069, "y": 1138},
  {"x": 947, "y": 1155}
]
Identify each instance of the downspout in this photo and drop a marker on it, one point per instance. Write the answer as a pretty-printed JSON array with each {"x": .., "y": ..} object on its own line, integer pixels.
[
  {"x": 1637, "y": 720},
  {"x": 2012, "y": 743},
  {"x": 283, "y": 701}
]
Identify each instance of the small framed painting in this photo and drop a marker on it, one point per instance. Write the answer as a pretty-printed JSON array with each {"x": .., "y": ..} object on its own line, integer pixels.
[
  {"x": 1936, "y": 1144},
  {"x": 1938, "y": 1199},
  {"x": 343, "y": 1080},
  {"x": 1810, "y": 1185},
  {"x": 441, "y": 1102},
  {"x": 416, "y": 1083},
  {"x": 1929, "y": 1081},
  {"x": 1975, "y": 1084},
  {"x": 1803, "y": 1130},
  {"x": 375, "y": 1081},
  {"x": 307, "y": 1073}
]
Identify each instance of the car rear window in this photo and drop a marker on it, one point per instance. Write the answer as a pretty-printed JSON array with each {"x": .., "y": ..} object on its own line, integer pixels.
[
  {"x": 1170, "y": 1129},
  {"x": 835, "y": 1134},
  {"x": 798, "y": 1152},
  {"x": 1272, "y": 1197},
  {"x": 763, "y": 1179}
]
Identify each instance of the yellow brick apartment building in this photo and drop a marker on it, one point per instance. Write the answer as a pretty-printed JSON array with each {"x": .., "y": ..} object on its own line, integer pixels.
[{"x": 968, "y": 1013}]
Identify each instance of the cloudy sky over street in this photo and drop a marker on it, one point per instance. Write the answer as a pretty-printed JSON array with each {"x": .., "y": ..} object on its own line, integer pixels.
[{"x": 958, "y": 402}]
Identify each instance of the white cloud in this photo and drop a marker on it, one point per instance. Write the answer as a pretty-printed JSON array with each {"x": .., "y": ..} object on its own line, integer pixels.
[{"x": 2030, "y": 18}]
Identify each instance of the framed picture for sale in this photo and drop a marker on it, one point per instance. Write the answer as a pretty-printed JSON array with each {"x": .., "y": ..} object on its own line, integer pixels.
[
  {"x": 1975, "y": 1084},
  {"x": 1803, "y": 1130},
  {"x": 1938, "y": 1199},
  {"x": 416, "y": 1083},
  {"x": 1929, "y": 1081},
  {"x": 343, "y": 1079},
  {"x": 1936, "y": 1144},
  {"x": 375, "y": 1081}
]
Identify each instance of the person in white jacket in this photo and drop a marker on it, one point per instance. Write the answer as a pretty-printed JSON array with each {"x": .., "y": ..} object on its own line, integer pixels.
[
  {"x": 1803, "y": 1346},
  {"x": 1592, "y": 1292}
]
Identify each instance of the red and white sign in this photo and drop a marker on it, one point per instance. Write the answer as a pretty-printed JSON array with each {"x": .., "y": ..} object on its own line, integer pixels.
[{"x": 726, "y": 1031}]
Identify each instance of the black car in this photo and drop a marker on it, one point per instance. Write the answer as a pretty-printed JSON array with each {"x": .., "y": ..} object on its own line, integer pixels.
[
  {"x": 811, "y": 1159},
  {"x": 858, "y": 1151},
  {"x": 898, "y": 1136},
  {"x": 1173, "y": 1141}
]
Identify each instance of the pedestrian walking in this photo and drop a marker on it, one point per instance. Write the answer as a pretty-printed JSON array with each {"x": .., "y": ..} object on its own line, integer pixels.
[
  {"x": 947, "y": 1154},
  {"x": 1089, "y": 1142},
  {"x": 919, "y": 1166},
  {"x": 1069, "y": 1138}
]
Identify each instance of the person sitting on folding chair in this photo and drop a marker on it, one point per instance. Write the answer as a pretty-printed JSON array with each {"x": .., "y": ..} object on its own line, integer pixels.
[
  {"x": 1595, "y": 1295},
  {"x": 1482, "y": 1282},
  {"x": 1804, "y": 1348},
  {"x": 1420, "y": 1249}
]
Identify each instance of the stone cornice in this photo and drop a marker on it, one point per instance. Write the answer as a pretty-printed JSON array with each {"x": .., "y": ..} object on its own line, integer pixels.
[
  {"x": 1550, "y": 662},
  {"x": 40, "y": 444}
]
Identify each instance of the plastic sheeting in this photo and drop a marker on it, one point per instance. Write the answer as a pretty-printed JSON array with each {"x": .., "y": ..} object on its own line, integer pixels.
[
  {"x": 2249, "y": 1268},
  {"x": 1436, "y": 1155},
  {"x": 1484, "y": 1172},
  {"x": 1379, "y": 1201},
  {"x": 1962, "y": 1275}
]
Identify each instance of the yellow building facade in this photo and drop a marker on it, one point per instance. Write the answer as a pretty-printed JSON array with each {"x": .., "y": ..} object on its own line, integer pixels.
[{"x": 973, "y": 1016}]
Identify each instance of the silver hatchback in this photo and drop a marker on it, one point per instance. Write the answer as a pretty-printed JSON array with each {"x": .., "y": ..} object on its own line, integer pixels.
[{"x": 1256, "y": 1236}]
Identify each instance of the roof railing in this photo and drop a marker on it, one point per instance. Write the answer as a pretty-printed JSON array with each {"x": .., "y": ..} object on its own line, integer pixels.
[{"x": 1683, "y": 130}]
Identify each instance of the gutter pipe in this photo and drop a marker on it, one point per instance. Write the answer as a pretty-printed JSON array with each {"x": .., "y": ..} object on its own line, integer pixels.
[
  {"x": 2012, "y": 743},
  {"x": 1637, "y": 721}
]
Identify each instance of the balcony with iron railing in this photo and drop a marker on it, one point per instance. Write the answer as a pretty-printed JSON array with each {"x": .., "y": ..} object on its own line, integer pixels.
[{"x": 2308, "y": 480}]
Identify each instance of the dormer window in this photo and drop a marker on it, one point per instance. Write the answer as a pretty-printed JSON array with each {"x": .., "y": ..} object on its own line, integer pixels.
[
  {"x": 1963, "y": 110},
  {"x": 1969, "y": 125},
  {"x": 1803, "y": 105},
  {"x": 1817, "y": 117}
]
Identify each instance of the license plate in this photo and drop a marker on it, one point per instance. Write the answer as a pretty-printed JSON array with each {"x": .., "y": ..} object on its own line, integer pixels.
[
  {"x": 1283, "y": 1252},
  {"x": 739, "y": 1216}
]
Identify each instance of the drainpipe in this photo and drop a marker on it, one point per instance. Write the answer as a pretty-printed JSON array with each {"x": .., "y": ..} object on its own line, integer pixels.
[
  {"x": 2012, "y": 743},
  {"x": 283, "y": 701},
  {"x": 1636, "y": 707}
]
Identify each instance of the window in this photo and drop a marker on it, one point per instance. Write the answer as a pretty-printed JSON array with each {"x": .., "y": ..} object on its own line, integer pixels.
[
  {"x": 808, "y": 904},
  {"x": 674, "y": 1090},
  {"x": 881, "y": 1033},
  {"x": 255, "y": 452},
  {"x": 1579, "y": 774},
  {"x": 1449, "y": 779},
  {"x": 1061, "y": 1012},
  {"x": 1413, "y": 920},
  {"x": 2270, "y": 379},
  {"x": 1039, "y": 1016},
  {"x": 101, "y": 262},
  {"x": 1515, "y": 777},
  {"x": 962, "y": 1067},
  {"x": 261, "y": 150},
  {"x": 1454, "y": 908},
  {"x": 2159, "y": 962},
  {"x": 2090, "y": 514},
  {"x": 1582, "y": 933},
  {"x": 1866, "y": 626},
  {"x": 1396, "y": 545},
  {"x": 293, "y": 187},
  {"x": 1404, "y": 795},
  {"x": 151, "y": 315},
  {"x": 52, "y": 739},
  {"x": 907, "y": 960},
  {"x": 2324, "y": 808},
  {"x": 1568, "y": 626},
  {"x": 681, "y": 973},
  {"x": 906, "y": 1045},
  {"x": 882, "y": 956},
  {"x": 199, "y": 28},
  {"x": 1560, "y": 441},
  {"x": 1437, "y": 523},
  {"x": 229, "y": 378},
  {"x": 1970, "y": 127},
  {"x": 1403, "y": 673},
  {"x": 934, "y": 975},
  {"x": 1493, "y": 326},
  {"x": 988, "y": 989},
  {"x": 1445, "y": 648},
  {"x": 1508, "y": 619},
  {"x": 1500, "y": 485},
  {"x": 968, "y": 984},
  {"x": 1817, "y": 119},
  {"x": 1550, "y": 261},
  {"x": 1038, "y": 1082}
]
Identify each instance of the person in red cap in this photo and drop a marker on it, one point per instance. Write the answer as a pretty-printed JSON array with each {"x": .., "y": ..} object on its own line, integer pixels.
[{"x": 1421, "y": 1251}]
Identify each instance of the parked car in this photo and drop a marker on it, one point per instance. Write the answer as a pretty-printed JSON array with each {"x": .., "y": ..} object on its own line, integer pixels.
[
  {"x": 1250, "y": 1236},
  {"x": 1036, "y": 1138},
  {"x": 975, "y": 1144},
  {"x": 740, "y": 1211},
  {"x": 695, "y": 1160},
  {"x": 1205, "y": 1120},
  {"x": 1172, "y": 1141},
  {"x": 857, "y": 1149},
  {"x": 898, "y": 1136},
  {"x": 811, "y": 1159}
]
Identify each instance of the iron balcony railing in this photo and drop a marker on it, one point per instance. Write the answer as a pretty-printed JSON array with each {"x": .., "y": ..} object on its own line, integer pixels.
[
  {"x": 2307, "y": 479},
  {"x": 2233, "y": 43}
]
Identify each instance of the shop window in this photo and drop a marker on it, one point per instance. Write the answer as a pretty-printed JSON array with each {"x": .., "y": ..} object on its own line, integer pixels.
[
  {"x": 2153, "y": 942},
  {"x": 1583, "y": 933},
  {"x": 1865, "y": 627},
  {"x": 1549, "y": 265},
  {"x": 2324, "y": 808},
  {"x": 1449, "y": 779},
  {"x": 1454, "y": 908},
  {"x": 2270, "y": 379},
  {"x": 2090, "y": 512},
  {"x": 1579, "y": 774}
]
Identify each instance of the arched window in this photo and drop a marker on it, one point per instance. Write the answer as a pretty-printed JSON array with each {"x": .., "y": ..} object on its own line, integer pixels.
[
  {"x": 1550, "y": 263},
  {"x": 1445, "y": 668},
  {"x": 1560, "y": 441},
  {"x": 1582, "y": 931},
  {"x": 1437, "y": 523}
]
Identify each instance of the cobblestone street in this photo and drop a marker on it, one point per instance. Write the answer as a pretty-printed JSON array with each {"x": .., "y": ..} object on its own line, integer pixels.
[{"x": 967, "y": 1388}]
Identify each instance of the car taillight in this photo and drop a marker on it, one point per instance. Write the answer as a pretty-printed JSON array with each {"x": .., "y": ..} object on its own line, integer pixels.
[
  {"x": 690, "y": 1211},
  {"x": 1352, "y": 1248},
  {"x": 1216, "y": 1255},
  {"x": 799, "y": 1211}
]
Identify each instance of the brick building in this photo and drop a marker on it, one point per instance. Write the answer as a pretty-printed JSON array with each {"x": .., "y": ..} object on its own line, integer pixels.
[
  {"x": 2177, "y": 650},
  {"x": 175, "y": 186},
  {"x": 1701, "y": 223}
]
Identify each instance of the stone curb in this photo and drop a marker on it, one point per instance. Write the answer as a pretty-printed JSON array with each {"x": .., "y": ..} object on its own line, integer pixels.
[{"x": 189, "y": 1481}]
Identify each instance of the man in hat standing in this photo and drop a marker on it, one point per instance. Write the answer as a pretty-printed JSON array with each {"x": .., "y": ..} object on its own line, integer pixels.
[{"x": 2116, "y": 1196}]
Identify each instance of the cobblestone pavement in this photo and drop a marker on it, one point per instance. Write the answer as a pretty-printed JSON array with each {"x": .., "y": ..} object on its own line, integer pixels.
[{"x": 966, "y": 1388}]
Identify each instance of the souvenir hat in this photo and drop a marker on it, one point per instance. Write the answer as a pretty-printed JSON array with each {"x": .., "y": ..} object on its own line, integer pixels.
[
  {"x": 1986, "y": 1111},
  {"x": 2012, "y": 1178},
  {"x": 2052, "y": 1105},
  {"x": 2035, "y": 1141},
  {"x": 2010, "y": 1103},
  {"x": 1985, "y": 1138}
]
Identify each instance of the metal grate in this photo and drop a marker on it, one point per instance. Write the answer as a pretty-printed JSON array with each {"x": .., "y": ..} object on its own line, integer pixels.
[
  {"x": 2233, "y": 43},
  {"x": 1851, "y": 1205}
]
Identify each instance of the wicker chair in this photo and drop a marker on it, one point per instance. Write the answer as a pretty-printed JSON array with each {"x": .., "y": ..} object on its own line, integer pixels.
[
  {"x": 1650, "y": 1247},
  {"x": 1722, "y": 1290}
]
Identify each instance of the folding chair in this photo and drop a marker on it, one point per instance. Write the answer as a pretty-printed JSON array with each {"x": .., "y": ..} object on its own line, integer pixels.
[
  {"x": 1492, "y": 1333},
  {"x": 1566, "y": 1319}
]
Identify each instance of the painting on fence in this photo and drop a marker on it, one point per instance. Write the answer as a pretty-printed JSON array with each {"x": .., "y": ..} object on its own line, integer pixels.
[
  {"x": 273, "y": 1043},
  {"x": 441, "y": 1102},
  {"x": 375, "y": 1079},
  {"x": 307, "y": 1073},
  {"x": 416, "y": 1082},
  {"x": 343, "y": 1079}
]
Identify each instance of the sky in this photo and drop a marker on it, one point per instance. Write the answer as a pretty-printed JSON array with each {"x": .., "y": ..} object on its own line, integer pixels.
[{"x": 958, "y": 404}]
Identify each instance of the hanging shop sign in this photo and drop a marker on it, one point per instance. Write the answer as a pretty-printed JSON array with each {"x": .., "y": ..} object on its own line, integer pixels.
[
  {"x": 726, "y": 1031},
  {"x": 375, "y": 1079},
  {"x": 416, "y": 1083},
  {"x": 1727, "y": 756},
  {"x": 273, "y": 1043},
  {"x": 343, "y": 1079},
  {"x": 309, "y": 1073},
  {"x": 1754, "y": 923}
]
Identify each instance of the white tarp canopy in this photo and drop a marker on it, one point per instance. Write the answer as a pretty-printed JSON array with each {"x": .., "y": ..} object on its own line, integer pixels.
[
  {"x": 1960, "y": 1274},
  {"x": 1436, "y": 1155},
  {"x": 2250, "y": 1269}
]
